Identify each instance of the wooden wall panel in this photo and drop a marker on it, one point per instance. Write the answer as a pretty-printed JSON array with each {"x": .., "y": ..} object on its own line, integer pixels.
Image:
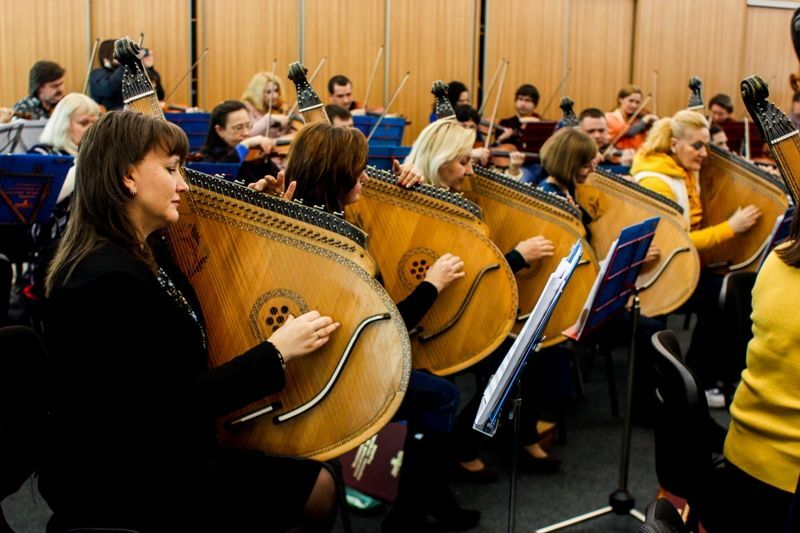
[
  {"x": 351, "y": 52},
  {"x": 165, "y": 24},
  {"x": 243, "y": 38},
  {"x": 768, "y": 52},
  {"x": 41, "y": 29},
  {"x": 600, "y": 52},
  {"x": 532, "y": 36},
  {"x": 434, "y": 41},
  {"x": 685, "y": 38}
]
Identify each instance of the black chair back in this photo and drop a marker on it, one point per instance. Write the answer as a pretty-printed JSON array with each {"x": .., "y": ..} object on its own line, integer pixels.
[{"x": 662, "y": 517}]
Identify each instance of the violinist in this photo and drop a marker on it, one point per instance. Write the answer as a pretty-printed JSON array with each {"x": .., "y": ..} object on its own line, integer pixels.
[
  {"x": 442, "y": 153},
  {"x": 629, "y": 100},
  {"x": 468, "y": 117},
  {"x": 45, "y": 90},
  {"x": 718, "y": 136},
  {"x": 339, "y": 116},
  {"x": 229, "y": 140},
  {"x": 669, "y": 163},
  {"x": 105, "y": 82},
  {"x": 458, "y": 95},
  {"x": 264, "y": 92},
  {"x": 525, "y": 101},
  {"x": 721, "y": 109},
  {"x": 327, "y": 165},
  {"x": 794, "y": 116},
  {"x": 6, "y": 114},
  {"x": 148, "y": 60},
  {"x": 593, "y": 123},
  {"x": 340, "y": 92},
  {"x": 134, "y": 405}
]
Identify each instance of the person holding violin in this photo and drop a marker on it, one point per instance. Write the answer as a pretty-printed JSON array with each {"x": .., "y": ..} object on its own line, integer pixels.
[
  {"x": 669, "y": 163},
  {"x": 593, "y": 123},
  {"x": 229, "y": 140},
  {"x": 630, "y": 132},
  {"x": 525, "y": 101},
  {"x": 339, "y": 116},
  {"x": 442, "y": 153},
  {"x": 133, "y": 405},
  {"x": 457, "y": 94},
  {"x": 340, "y": 92},
  {"x": 45, "y": 90},
  {"x": 504, "y": 157},
  {"x": 720, "y": 108},
  {"x": 105, "y": 82},
  {"x": 264, "y": 93},
  {"x": 326, "y": 166},
  {"x": 148, "y": 61}
]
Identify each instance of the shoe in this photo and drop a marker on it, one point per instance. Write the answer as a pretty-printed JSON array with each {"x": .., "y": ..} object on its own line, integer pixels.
[
  {"x": 400, "y": 521},
  {"x": 451, "y": 517},
  {"x": 539, "y": 465},
  {"x": 487, "y": 474},
  {"x": 715, "y": 399}
]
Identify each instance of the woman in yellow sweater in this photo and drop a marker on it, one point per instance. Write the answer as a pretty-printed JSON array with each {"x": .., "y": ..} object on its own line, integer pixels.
[
  {"x": 753, "y": 490},
  {"x": 669, "y": 163}
]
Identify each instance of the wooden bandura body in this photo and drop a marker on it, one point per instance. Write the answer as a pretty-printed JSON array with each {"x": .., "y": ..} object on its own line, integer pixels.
[
  {"x": 668, "y": 283},
  {"x": 410, "y": 229},
  {"x": 727, "y": 182},
  {"x": 516, "y": 211}
]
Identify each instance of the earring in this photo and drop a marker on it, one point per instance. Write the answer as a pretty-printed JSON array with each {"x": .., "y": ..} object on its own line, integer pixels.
[{"x": 133, "y": 192}]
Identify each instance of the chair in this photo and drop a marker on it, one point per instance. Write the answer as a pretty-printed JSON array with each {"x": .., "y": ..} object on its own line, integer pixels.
[
  {"x": 662, "y": 517},
  {"x": 23, "y": 360},
  {"x": 736, "y": 304},
  {"x": 686, "y": 438}
]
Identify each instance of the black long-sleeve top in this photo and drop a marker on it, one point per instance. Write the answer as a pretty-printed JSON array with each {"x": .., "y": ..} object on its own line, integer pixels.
[{"x": 105, "y": 87}]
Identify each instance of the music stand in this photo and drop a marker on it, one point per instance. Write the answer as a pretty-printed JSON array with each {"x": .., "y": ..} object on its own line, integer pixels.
[
  {"x": 508, "y": 373},
  {"x": 29, "y": 186},
  {"x": 614, "y": 286}
]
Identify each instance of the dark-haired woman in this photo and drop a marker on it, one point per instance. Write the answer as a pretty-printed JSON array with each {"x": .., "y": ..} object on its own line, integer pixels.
[{"x": 134, "y": 405}]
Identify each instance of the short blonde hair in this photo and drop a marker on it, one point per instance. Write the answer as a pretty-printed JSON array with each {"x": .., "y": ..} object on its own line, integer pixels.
[
  {"x": 254, "y": 93},
  {"x": 678, "y": 126},
  {"x": 441, "y": 142},
  {"x": 56, "y": 131},
  {"x": 566, "y": 151}
]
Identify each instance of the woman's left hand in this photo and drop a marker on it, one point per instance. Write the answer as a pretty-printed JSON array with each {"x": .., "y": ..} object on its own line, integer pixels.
[
  {"x": 407, "y": 174},
  {"x": 275, "y": 186}
]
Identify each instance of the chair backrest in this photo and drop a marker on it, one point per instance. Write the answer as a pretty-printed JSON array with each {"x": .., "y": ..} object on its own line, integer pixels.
[
  {"x": 683, "y": 450},
  {"x": 736, "y": 304},
  {"x": 23, "y": 411},
  {"x": 662, "y": 517}
]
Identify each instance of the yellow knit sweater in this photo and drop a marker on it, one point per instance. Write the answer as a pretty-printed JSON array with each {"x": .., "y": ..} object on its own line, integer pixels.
[
  {"x": 703, "y": 238},
  {"x": 764, "y": 434}
]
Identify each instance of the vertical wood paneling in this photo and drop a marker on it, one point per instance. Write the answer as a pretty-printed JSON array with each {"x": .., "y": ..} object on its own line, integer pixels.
[
  {"x": 41, "y": 29},
  {"x": 684, "y": 38},
  {"x": 768, "y": 52},
  {"x": 434, "y": 41},
  {"x": 600, "y": 50},
  {"x": 530, "y": 35},
  {"x": 349, "y": 34},
  {"x": 165, "y": 24},
  {"x": 243, "y": 38}
]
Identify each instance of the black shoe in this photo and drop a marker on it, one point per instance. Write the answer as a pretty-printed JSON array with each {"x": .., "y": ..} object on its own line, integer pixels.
[
  {"x": 539, "y": 465},
  {"x": 487, "y": 474},
  {"x": 405, "y": 521}
]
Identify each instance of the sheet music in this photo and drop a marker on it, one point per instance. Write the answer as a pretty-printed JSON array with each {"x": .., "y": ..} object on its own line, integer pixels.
[{"x": 529, "y": 338}]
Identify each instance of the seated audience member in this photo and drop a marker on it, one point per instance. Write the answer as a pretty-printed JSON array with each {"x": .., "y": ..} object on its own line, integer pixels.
[
  {"x": 339, "y": 116},
  {"x": 340, "y": 92},
  {"x": 229, "y": 141},
  {"x": 105, "y": 82},
  {"x": 629, "y": 100},
  {"x": 593, "y": 123},
  {"x": 45, "y": 90},
  {"x": 721, "y": 109}
]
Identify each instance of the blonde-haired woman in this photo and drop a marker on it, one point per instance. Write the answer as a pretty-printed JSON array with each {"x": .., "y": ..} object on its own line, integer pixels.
[
  {"x": 263, "y": 88},
  {"x": 442, "y": 155},
  {"x": 71, "y": 118},
  {"x": 669, "y": 163},
  {"x": 629, "y": 99}
]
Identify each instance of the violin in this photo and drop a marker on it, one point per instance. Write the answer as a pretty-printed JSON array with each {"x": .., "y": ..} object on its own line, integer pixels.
[{"x": 501, "y": 155}]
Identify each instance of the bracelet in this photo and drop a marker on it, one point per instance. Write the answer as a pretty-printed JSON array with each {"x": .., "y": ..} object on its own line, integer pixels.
[{"x": 280, "y": 356}]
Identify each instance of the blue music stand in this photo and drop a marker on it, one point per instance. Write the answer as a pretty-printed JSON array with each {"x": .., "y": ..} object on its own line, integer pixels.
[
  {"x": 614, "y": 287},
  {"x": 29, "y": 186}
]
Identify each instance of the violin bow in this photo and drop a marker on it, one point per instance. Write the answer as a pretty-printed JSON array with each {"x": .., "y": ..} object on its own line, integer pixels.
[
  {"x": 619, "y": 135},
  {"x": 491, "y": 86},
  {"x": 372, "y": 76},
  {"x": 555, "y": 93},
  {"x": 388, "y": 105},
  {"x": 91, "y": 63},
  {"x": 310, "y": 81},
  {"x": 141, "y": 38},
  {"x": 200, "y": 58},
  {"x": 655, "y": 92},
  {"x": 488, "y": 141},
  {"x": 269, "y": 109}
]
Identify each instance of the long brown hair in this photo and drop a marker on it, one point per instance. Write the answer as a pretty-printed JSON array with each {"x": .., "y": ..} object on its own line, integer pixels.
[
  {"x": 112, "y": 145},
  {"x": 791, "y": 253},
  {"x": 326, "y": 162}
]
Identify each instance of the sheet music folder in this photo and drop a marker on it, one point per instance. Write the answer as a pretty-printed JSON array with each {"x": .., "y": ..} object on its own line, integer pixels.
[
  {"x": 617, "y": 277},
  {"x": 496, "y": 392},
  {"x": 29, "y": 186}
]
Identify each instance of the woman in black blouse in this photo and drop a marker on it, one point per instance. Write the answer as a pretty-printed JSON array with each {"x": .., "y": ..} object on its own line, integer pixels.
[{"x": 134, "y": 404}]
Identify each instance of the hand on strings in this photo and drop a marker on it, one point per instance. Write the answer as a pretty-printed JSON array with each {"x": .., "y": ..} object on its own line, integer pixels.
[
  {"x": 649, "y": 119},
  {"x": 407, "y": 174},
  {"x": 480, "y": 155},
  {"x": 653, "y": 253},
  {"x": 744, "y": 218},
  {"x": 505, "y": 134},
  {"x": 275, "y": 186},
  {"x": 302, "y": 335},
  {"x": 516, "y": 159},
  {"x": 445, "y": 271},
  {"x": 5, "y": 115},
  {"x": 535, "y": 248},
  {"x": 259, "y": 141}
]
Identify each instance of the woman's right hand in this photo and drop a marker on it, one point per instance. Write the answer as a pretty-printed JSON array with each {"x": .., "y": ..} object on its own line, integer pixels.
[
  {"x": 303, "y": 335},
  {"x": 445, "y": 271},
  {"x": 744, "y": 218},
  {"x": 535, "y": 248}
]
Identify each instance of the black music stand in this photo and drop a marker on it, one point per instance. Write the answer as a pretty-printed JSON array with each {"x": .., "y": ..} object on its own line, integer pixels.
[
  {"x": 615, "y": 285},
  {"x": 508, "y": 373}
]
